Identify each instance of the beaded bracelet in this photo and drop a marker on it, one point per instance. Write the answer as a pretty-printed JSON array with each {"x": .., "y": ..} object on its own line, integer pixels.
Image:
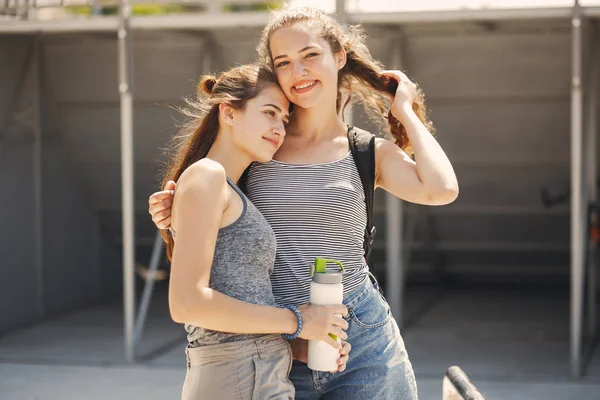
[{"x": 299, "y": 317}]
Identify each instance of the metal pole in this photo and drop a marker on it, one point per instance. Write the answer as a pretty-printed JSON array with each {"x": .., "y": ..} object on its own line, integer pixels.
[
  {"x": 37, "y": 176},
  {"x": 31, "y": 10},
  {"x": 410, "y": 224},
  {"x": 394, "y": 259},
  {"x": 149, "y": 286},
  {"x": 577, "y": 215},
  {"x": 340, "y": 12},
  {"x": 457, "y": 386},
  {"x": 342, "y": 18},
  {"x": 96, "y": 251},
  {"x": 127, "y": 170},
  {"x": 395, "y": 267},
  {"x": 592, "y": 176}
]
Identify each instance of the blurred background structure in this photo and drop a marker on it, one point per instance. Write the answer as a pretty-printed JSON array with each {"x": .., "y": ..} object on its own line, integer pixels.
[{"x": 502, "y": 282}]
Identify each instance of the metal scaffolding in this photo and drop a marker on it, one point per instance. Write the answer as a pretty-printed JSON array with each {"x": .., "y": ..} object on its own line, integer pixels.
[
  {"x": 577, "y": 198},
  {"x": 592, "y": 175},
  {"x": 583, "y": 192},
  {"x": 127, "y": 176},
  {"x": 36, "y": 71}
]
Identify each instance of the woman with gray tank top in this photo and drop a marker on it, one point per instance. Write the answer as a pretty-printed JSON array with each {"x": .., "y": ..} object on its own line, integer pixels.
[{"x": 223, "y": 250}]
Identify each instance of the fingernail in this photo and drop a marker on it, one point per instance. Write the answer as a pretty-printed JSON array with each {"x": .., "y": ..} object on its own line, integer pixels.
[{"x": 172, "y": 192}]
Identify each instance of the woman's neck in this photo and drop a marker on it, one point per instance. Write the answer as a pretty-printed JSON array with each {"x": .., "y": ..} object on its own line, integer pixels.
[
  {"x": 233, "y": 160},
  {"x": 316, "y": 123}
]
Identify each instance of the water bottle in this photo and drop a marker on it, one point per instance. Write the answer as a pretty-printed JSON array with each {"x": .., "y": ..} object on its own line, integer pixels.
[{"x": 325, "y": 289}]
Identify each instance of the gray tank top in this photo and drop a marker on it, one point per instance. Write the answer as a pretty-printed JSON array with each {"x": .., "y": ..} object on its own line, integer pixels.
[{"x": 241, "y": 268}]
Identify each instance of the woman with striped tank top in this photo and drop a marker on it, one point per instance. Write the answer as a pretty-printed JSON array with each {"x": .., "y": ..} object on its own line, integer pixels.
[
  {"x": 312, "y": 194},
  {"x": 223, "y": 250}
]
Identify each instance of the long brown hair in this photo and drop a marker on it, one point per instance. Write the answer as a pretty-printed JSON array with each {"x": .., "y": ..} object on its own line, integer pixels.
[
  {"x": 233, "y": 87},
  {"x": 360, "y": 76}
]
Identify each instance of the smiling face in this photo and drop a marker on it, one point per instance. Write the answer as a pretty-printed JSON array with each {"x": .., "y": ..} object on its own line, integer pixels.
[
  {"x": 306, "y": 68},
  {"x": 259, "y": 128}
]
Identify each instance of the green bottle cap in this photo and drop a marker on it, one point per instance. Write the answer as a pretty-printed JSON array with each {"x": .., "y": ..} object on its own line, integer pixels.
[
  {"x": 320, "y": 265},
  {"x": 319, "y": 273}
]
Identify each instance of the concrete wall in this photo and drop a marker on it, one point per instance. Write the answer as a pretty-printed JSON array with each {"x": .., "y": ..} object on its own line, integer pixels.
[
  {"x": 73, "y": 273},
  {"x": 18, "y": 285}
]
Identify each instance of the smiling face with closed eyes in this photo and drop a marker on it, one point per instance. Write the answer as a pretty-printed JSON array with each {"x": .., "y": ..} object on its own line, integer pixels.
[{"x": 259, "y": 127}]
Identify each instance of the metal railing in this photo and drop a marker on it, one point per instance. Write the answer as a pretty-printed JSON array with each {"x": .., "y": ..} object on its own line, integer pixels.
[
  {"x": 457, "y": 386},
  {"x": 53, "y": 9}
]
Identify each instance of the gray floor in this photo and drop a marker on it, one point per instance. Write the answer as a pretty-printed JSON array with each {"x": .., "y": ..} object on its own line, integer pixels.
[{"x": 513, "y": 343}]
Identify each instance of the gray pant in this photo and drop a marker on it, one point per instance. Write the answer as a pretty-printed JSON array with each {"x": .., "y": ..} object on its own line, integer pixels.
[{"x": 248, "y": 369}]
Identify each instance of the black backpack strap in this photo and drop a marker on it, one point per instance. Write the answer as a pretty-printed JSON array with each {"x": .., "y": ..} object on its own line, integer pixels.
[
  {"x": 242, "y": 183},
  {"x": 362, "y": 146}
]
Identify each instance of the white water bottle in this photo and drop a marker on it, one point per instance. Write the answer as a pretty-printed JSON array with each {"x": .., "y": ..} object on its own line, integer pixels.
[{"x": 325, "y": 289}]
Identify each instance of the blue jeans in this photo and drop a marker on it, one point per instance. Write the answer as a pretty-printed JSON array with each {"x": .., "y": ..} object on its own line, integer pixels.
[{"x": 378, "y": 367}]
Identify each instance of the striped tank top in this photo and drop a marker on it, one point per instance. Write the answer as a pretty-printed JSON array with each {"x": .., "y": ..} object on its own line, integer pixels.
[{"x": 315, "y": 210}]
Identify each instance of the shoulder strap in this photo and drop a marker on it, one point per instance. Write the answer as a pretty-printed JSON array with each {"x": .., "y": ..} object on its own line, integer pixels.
[
  {"x": 242, "y": 183},
  {"x": 362, "y": 146}
]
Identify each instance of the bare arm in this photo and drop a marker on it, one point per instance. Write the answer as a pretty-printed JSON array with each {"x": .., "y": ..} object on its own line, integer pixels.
[
  {"x": 198, "y": 208},
  {"x": 430, "y": 178}
]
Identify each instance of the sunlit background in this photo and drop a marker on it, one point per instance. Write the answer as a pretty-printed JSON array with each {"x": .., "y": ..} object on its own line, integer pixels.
[{"x": 500, "y": 283}]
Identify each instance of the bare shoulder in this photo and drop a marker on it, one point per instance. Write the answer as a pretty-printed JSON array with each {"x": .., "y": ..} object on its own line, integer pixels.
[
  {"x": 385, "y": 147},
  {"x": 381, "y": 144},
  {"x": 204, "y": 176},
  {"x": 200, "y": 198}
]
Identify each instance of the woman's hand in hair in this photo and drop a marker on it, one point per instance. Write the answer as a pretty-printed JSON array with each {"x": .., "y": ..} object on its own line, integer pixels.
[
  {"x": 405, "y": 94},
  {"x": 426, "y": 178},
  {"x": 159, "y": 206}
]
